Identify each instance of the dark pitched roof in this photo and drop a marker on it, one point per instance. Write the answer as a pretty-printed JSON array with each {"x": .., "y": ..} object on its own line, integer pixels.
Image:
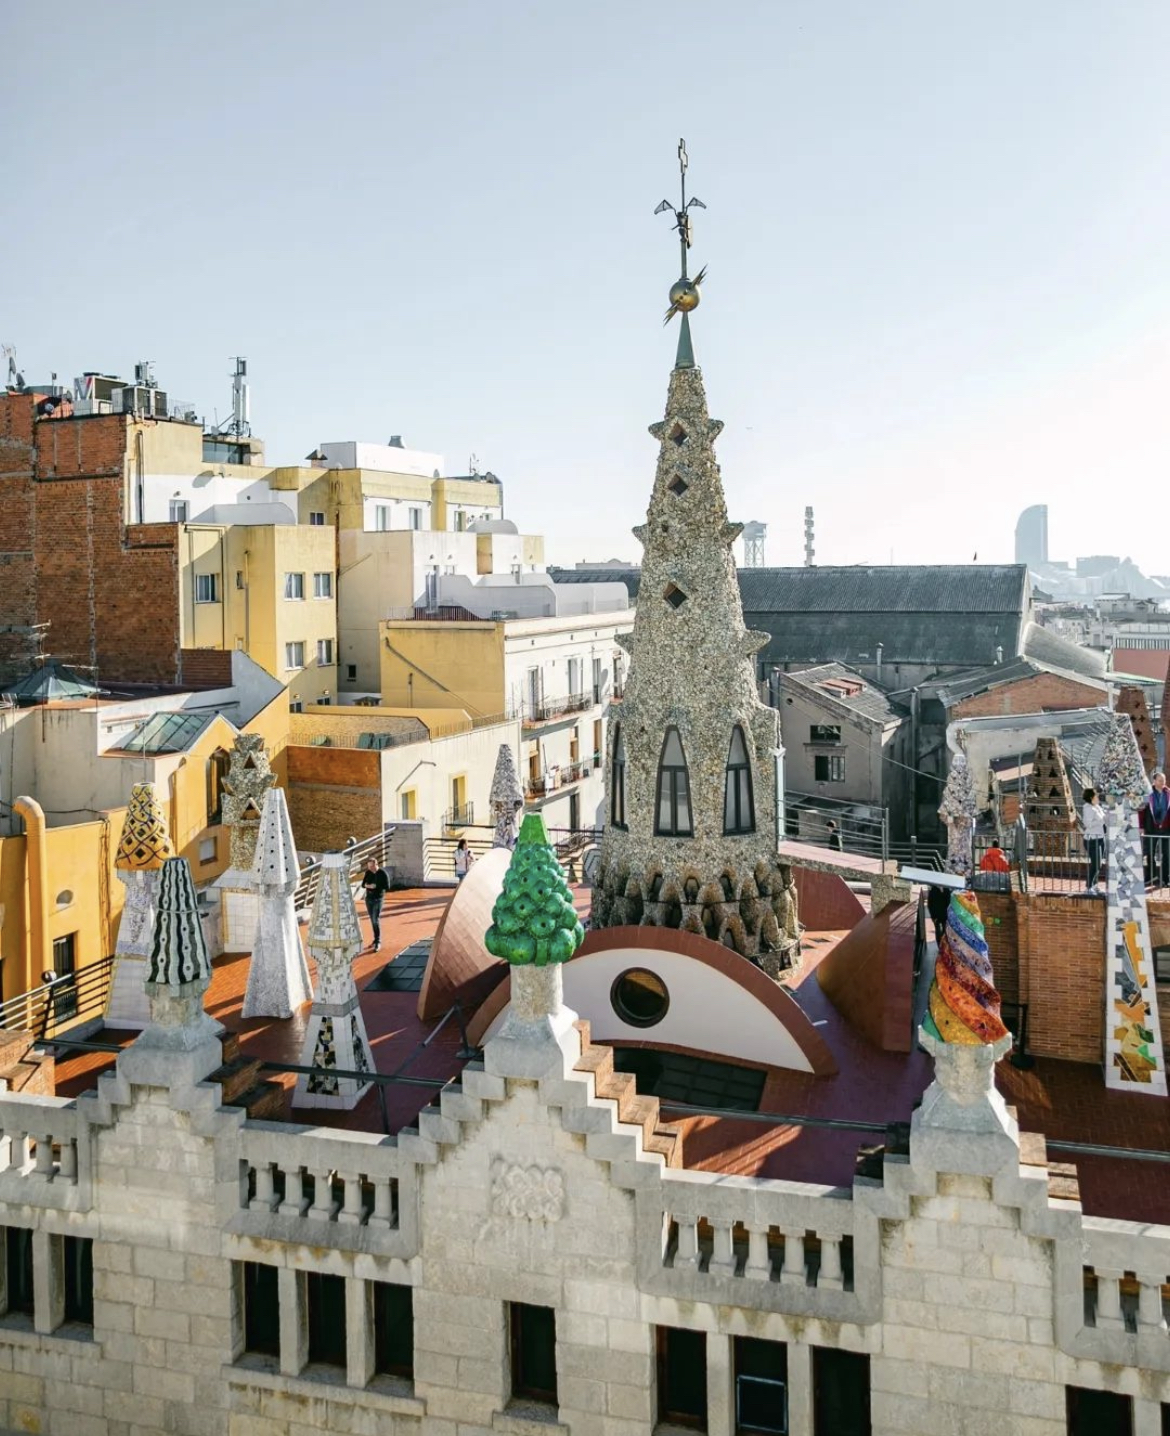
[
  {"x": 950, "y": 615},
  {"x": 870, "y": 703},
  {"x": 896, "y": 588}
]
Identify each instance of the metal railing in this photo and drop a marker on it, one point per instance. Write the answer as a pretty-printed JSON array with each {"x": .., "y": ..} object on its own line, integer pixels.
[
  {"x": 461, "y": 817},
  {"x": 563, "y": 777},
  {"x": 439, "y": 855},
  {"x": 56, "y": 1006},
  {"x": 861, "y": 827},
  {"x": 549, "y": 709},
  {"x": 377, "y": 847},
  {"x": 570, "y": 845}
]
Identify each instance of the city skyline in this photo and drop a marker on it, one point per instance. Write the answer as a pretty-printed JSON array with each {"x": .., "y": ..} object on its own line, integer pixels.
[{"x": 936, "y": 289}]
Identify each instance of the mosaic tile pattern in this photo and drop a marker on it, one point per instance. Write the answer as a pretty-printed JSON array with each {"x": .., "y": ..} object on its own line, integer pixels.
[
  {"x": 1134, "y": 1059},
  {"x": 145, "y": 843},
  {"x": 324, "y": 1055}
]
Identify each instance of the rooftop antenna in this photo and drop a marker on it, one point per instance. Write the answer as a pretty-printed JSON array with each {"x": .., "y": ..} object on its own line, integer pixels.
[
  {"x": 809, "y": 551},
  {"x": 15, "y": 380},
  {"x": 473, "y": 464},
  {"x": 239, "y": 425}
]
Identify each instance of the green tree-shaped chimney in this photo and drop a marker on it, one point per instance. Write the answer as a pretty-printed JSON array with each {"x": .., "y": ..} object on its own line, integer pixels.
[{"x": 534, "y": 920}]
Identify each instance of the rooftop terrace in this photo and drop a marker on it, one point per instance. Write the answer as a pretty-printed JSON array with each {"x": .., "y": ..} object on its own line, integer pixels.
[{"x": 1065, "y": 1101}]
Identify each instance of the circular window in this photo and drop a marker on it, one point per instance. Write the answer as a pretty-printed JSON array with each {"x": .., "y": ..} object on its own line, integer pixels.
[
  {"x": 639, "y": 997},
  {"x": 64, "y": 898}
]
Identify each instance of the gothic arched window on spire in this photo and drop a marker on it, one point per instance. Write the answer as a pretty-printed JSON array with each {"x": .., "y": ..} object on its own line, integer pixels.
[
  {"x": 739, "y": 809},
  {"x": 672, "y": 814},
  {"x": 617, "y": 780}
]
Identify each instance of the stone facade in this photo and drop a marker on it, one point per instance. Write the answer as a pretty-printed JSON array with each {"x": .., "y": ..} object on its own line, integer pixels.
[
  {"x": 971, "y": 1297},
  {"x": 691, "y": 691}
]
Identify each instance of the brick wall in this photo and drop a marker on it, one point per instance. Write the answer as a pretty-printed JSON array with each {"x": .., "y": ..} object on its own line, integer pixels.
[
  {"x": 334, "y": 794},
  {"x": 1048, "y": 951},
  {"x": 1037, "y": 694},
  {"x": 66, "y": 558},
  {"x": 206, "y": 667}
]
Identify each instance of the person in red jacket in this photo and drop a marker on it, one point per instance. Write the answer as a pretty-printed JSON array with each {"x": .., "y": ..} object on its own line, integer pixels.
[
  {"x": 1154, "y": 816},
  {"x": 995, "y": 860}
]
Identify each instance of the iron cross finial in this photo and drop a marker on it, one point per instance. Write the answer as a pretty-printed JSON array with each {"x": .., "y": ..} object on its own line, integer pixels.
[{"x": 684, "y": 294}]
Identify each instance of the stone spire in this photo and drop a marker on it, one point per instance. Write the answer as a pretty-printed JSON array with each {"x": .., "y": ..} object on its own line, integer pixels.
[
  {"x": 181, "y": 1042},
  {"x": 278, "y": 976},
  {"x": 142, "y": 849},
  {"x": 248, "y": 779},
  {"x": 336, "y": 1034},
  {"x": 958, "y": 811},
  {"x": 507, "y": 799},
  {"x": 690, "y": 838}
]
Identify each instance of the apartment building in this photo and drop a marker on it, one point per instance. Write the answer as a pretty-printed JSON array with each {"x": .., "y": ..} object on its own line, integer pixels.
[{"x": 557, "y": 673}]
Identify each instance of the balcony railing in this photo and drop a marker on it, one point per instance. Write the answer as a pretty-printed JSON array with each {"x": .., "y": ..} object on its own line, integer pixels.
[
  {"x": 77, "y": 997},
  {"x": 460, "y": 817},
  {"x": 549, "y": 709},
  {"x": 556, "y": 779}
]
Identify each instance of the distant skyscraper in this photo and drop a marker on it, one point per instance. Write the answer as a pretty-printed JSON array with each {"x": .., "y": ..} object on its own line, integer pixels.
[{"x": 1032, "y": 536}]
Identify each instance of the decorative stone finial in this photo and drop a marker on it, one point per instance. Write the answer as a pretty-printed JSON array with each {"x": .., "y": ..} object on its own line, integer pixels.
[
  {"x": 143, "y": 848},
  {"x": 248, "y": 779},
  {"x": 178, "y": 958},
  {"x": 534, "y": 920},
  {"x": 958, "y": 810},
  {"x": 964, "y": 1005},
  {"x": 180, "y": 1045},
  {"x": 336, "y": 1034},
  {"x": 534, "y": 928},
  {"x": 278, "y": 975},
  {"x": 963, "y": 1124},
  {"x": 507, "y": 799},
  {"x": 145, "y": 843},
  {"x": 275, "y": 867}
]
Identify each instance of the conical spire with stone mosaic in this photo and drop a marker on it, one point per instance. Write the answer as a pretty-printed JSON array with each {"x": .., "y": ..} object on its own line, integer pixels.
[{"x": 690, "y": 821}]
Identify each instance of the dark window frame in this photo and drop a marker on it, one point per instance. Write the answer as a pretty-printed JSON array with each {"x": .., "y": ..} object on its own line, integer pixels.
[
  {"x": 77, "y": 1262},
  {"x": 389, "y": 1326},
  {"x": 832, "y": 765},
  {"x": 668, "y": 1409},
  {"x": 617, "y": 783},
  {"x": 748, "y": 1352},
  {"x": 18, "y": 1258},
  {"x": 1083, "y": 1412},
  {"x": 325, "y": 1318},
  {"x": 736, "y": 791},
  {"x": 826, "y": 1384},
  {"x": 523, "y": 1322},
  {"x": 64, "y": 994},
  {"x": 674, "y": 783},
  {"x": 261, "y": 1322}
]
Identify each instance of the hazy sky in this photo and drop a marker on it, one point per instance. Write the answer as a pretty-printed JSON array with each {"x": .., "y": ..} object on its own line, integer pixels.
[{"x": 938, "y": 237}]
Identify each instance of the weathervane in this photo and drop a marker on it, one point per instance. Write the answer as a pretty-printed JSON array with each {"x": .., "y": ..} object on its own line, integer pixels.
[{"x": 684, "y": 293}]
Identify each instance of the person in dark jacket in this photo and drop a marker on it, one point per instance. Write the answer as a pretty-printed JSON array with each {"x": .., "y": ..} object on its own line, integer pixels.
[
  {"x": 938, "y": 900},
  {"x": 1154, "y": 816},
  {"x": 375, "y": 886}
]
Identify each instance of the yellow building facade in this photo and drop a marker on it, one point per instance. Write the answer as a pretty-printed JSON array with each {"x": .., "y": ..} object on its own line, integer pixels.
[
  {"x": 57, "y": 878},
  {"x": 269, "y": 590}
]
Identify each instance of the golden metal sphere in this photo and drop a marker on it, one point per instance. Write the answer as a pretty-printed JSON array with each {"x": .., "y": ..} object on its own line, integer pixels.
[{"x": 684, "y": 295}]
